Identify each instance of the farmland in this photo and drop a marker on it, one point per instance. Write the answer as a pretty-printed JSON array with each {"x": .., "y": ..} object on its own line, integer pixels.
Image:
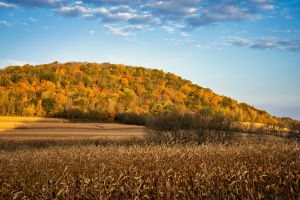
[
  {"x": 146, "y": 99},
  {"x": 33, "y": 132},
  {"x": 59, "y": 159}
]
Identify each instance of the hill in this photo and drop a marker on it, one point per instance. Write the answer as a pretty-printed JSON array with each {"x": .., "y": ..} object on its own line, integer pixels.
[{"x": 107, "y": 89}]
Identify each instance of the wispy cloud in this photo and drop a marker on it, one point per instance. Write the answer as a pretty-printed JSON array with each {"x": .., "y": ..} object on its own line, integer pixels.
[
  {"x": 35, "y": 3},
  {"x": 290, "y": 44},
  {"x": 74, "y": 11},
  {"x": 128, "y": 30},
  {"x": 285, "y": 31},
  {"x": 185, "y": 34},
  {"x": 127, "y": 17},
  {"x": 238, "y": 41},
  {"x": 4, "y": 23},
  {"x": 7, "y": 5},
  {"x": 266, "y": 43}
]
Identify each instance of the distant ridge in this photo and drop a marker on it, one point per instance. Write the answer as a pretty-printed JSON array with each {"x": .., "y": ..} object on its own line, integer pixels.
[{"x": 48, "y": 89}]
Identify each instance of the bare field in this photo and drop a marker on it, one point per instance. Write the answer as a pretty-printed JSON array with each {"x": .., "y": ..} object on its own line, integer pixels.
[
  {"x": 45, "y": 127},
  {"x": 25, "y": 133}
]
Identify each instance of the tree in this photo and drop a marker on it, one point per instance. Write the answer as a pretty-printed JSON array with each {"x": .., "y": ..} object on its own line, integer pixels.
[
  {"x": 92, "y": 88},
  {"x": 48, "y": 104}
]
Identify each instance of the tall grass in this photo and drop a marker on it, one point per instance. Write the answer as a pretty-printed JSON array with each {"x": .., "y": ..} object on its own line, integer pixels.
[
  {"x": 269, "y": 170},
  {"x": 13, "y": 143},
  {"x": 61, "y": 166}
]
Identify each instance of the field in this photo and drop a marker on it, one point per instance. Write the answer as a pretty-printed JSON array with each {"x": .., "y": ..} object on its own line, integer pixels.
[
  {"x": 57, "y": 159},
  {"x": 46, "y": 127},
  {"x": 21, "y": 132}
]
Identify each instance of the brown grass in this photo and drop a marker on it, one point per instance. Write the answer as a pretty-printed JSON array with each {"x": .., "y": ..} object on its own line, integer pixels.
[
  {"x": 237, "y": 171},
  {"x": 62, "y": 160}
]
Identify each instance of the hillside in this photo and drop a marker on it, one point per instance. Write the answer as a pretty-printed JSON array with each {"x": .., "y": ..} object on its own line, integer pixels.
[{"x": 108, "y": 89}]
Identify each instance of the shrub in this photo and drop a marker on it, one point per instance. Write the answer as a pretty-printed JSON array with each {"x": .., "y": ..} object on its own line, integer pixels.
[
  {"x": 131, "y": 118},
  {"x": 78, "y": 115},
  {"x": 197, "y": 127}
]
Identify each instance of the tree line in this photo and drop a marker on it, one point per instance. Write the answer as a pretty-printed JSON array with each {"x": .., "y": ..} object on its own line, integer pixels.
[{"x": 99, "y": 92}]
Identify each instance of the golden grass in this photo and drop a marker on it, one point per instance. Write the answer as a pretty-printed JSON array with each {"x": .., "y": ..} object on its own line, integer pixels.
[
  {"x": 255, "y": 126},
  {"x": 12, "y": 122},
  {"x": 36, "y": 125},
  {"x": 59, "y": 125},
  {"x": 268, "y": 170},
  {"x": 9, "y": 125},
  {"x": 29, "y": 119}
]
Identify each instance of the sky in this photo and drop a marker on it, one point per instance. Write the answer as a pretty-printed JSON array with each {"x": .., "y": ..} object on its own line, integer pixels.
[{"x": 246, "y": 49}]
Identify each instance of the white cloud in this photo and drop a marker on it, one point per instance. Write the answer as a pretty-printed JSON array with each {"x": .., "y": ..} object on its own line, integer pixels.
[
  {"x": 184, "y": 34},
  {"x": 74, "y": 11},
  {"x": 129, "y": 30},
  {"x": 266, "y": 6},
  {"x": 78, "y": 2},
  {"x": 169, "y": 29},
  {"x": 188, "y": 14},
  {"x": 238, "y": 41},
  {"x": 7, "y": 5}
]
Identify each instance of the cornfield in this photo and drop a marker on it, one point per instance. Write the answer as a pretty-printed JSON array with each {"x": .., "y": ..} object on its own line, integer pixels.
[{"x": 252, "y": 170}]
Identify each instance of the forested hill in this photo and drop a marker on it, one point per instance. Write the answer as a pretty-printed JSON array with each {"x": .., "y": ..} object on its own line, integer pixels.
[{"x": 50, "y": 89}]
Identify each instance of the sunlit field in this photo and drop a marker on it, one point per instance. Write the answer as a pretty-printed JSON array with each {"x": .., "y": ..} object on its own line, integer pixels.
[
  {"x": 254, "y": 171},
  {"x": 57, "y": 159},
  {"x": 32, "y": 132},
  {"x": 148, "y": 99}
]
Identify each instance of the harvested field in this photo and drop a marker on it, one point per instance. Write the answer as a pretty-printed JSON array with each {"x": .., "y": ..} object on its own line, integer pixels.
[
  {"x": 63, "y": 160},
  {"x": 20, "y": 132},
  {"x": 47, "y": 127}
]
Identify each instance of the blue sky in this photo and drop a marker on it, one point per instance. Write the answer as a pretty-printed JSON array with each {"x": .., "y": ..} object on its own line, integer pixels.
[{"x": 248, "y": 50}]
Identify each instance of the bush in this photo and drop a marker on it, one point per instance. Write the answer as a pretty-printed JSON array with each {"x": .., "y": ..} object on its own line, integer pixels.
[
  {"x": 294, "y": 131},
  {"x": 131, "y": 118},
  {"x": 197, "y": 127},
  {"x": 294, "y": 136},
  {"x": 78, "y": 115}
]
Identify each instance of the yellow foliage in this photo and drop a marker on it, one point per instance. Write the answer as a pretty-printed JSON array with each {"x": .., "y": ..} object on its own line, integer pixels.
[
  {"x": 124, "y": 81},
  {"x": 30, "y": 110}
]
